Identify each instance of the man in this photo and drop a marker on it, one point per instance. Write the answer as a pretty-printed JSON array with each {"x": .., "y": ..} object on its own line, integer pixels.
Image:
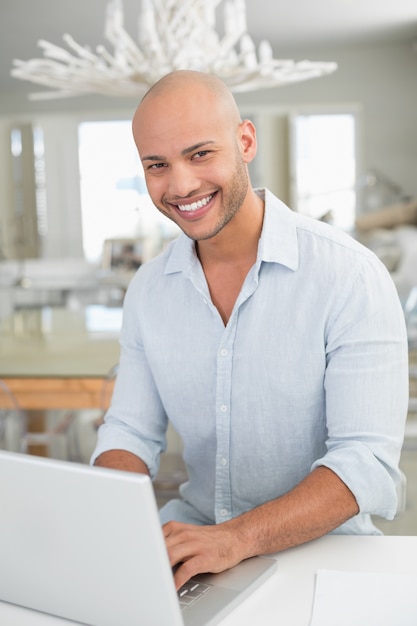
[{"x": 274, "y": 344}]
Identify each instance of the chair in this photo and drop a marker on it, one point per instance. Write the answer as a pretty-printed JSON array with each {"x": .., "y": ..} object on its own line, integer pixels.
[
  {"x": 410, "y": 314},
  {"x": 64, "y": 431},
  {"x": 402, "y": 495},
  {"x": 10, "y": 409}
]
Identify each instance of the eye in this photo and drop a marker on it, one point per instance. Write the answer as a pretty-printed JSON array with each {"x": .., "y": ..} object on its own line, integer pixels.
[
  {"x": 156, "y": 166},
  {"x": 201, "y": 153}
]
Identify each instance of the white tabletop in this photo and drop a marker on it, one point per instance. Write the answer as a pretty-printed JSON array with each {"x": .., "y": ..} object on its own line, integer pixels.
[
  {"x": 287, "y": 597},
  {"x": 60, "y": 342}
]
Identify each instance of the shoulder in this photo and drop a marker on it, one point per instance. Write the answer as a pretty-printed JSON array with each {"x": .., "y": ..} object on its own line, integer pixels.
[
  {"x": 314, "y": 232},
  {"x": 297, "y": 240}
]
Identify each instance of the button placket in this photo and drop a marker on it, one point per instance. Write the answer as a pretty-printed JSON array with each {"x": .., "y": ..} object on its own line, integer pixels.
[
  {"x": 223, "y": 492},
  {"x": 223, "y": 507}
]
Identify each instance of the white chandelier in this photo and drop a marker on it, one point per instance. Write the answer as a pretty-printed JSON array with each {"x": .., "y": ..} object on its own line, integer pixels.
[{"x": 172, "y": 34}]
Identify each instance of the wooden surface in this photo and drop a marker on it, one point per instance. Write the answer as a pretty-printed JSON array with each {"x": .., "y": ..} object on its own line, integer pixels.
[
  {"x": 59, "y": 393},
  {"x": 56, "y": 358}
]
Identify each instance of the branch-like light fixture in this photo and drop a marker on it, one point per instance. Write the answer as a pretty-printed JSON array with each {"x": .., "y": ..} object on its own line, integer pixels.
[{"x": 172, "y": 34}]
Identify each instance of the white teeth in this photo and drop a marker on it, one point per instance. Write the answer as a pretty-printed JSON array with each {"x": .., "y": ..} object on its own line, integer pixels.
[{"x": 195, "y": 205}]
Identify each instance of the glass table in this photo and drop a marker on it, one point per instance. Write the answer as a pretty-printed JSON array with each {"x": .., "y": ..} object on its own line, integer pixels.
[{"x": 54, "y": 357}]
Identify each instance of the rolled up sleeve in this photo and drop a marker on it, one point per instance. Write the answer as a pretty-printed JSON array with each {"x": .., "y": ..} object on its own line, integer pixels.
[
  {"x": 136, "y": 420},
  {"x": 366, "y": 386}
]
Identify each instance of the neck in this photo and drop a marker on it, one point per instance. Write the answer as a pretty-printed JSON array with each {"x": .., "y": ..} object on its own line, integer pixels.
[{"x": 239, "y": 239}]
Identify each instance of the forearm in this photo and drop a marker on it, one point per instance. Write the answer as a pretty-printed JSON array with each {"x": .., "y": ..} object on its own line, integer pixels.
[
  {"x": 317, "y": 505},
  {"x": 320, "y": 503},
  {"x": 122, "y": 460}
]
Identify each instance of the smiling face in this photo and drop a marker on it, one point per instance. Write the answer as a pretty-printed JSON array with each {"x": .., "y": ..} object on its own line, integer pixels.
[{"x": 194, "y": 150}]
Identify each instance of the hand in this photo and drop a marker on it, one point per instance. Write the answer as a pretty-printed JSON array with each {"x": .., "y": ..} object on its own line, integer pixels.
[
  {"x": 201, "y": 549},
  {"x": 317, "y": 505}
]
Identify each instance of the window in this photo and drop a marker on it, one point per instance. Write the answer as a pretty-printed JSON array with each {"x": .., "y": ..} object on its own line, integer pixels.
[
  {"x": 114, "y": 201},
  {"x": 324, "y": 166}
]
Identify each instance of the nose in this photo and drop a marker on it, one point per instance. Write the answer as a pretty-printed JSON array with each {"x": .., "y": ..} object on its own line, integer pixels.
[{"x": 182, "y": 181}]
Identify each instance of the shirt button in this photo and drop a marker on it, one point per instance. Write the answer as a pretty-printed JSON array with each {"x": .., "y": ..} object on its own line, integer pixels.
[
  {"x": 223, "y": 462},
  {"x": 223, "y": 352},
  {"x": 223, "y": 512},
  {"x": 223, "y": 408}
]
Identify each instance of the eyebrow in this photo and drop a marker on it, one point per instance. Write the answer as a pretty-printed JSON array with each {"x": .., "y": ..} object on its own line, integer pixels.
[{"x": 158, "y": 157}]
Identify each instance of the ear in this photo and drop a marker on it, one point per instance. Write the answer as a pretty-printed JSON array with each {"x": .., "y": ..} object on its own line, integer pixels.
[{"x": 247, "y": 140}]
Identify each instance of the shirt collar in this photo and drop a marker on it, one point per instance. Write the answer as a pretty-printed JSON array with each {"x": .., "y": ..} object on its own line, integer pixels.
[{"x": 278, "y": 242}]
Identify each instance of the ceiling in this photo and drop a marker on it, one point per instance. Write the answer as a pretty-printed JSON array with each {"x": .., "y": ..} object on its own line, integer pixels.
[{"x": 289, "y": 26}]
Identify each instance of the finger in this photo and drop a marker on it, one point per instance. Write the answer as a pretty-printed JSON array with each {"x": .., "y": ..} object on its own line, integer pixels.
[
  {"x": 177, "y": 535},
  {"x": 183, "y": 550},
  {"x": 172, "y": 529},
  {"x": 186, "y": 570}
]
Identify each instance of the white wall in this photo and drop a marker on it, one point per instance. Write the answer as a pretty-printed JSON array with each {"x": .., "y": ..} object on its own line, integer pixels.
[{"x": 380, "y": 81}]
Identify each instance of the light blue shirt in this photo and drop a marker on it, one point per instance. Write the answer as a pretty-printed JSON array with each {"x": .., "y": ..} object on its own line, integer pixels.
[{"x": 310, "y": 370}]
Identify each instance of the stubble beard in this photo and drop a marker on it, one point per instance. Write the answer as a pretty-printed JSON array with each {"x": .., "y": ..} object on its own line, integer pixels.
[{"x": 233, "y": 197}]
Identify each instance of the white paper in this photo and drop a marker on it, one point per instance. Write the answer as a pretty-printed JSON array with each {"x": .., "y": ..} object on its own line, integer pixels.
[{"x": 364, "y": 599}]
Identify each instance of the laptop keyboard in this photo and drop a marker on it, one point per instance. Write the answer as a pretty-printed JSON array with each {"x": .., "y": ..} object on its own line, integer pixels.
[{"x": 191, "y": 592}]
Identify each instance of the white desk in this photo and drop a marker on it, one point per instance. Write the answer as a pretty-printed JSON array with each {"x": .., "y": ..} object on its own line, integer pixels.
[{"x": 286, "y": 598}]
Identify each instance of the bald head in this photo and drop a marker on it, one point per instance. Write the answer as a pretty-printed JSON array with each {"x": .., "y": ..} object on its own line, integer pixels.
[
  {"x": 188, "y": 80},
  {"x": 186, "y": 87}
]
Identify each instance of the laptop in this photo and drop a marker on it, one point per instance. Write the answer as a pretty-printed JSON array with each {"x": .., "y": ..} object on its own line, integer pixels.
[{"x": 85, "y": 544}]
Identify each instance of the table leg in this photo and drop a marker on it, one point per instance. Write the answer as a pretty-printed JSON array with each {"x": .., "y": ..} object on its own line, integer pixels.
[{"x": 36, "y": 423}]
